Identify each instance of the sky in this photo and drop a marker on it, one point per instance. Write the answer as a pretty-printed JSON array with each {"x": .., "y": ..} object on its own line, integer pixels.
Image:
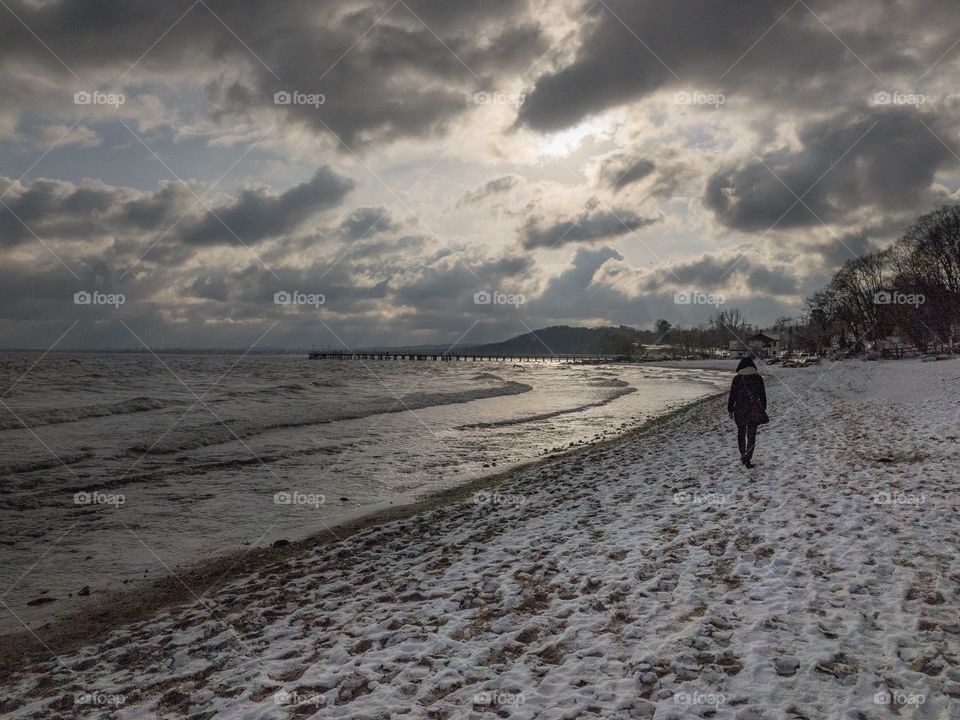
[{"x": 375, "y": 172}]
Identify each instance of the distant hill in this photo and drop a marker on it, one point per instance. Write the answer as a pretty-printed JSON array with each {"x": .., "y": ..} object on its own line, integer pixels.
[{"x": 564, "y": 339}]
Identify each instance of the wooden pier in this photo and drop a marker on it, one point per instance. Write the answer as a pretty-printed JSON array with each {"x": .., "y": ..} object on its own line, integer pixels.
[{"x": 461, "y": 356}]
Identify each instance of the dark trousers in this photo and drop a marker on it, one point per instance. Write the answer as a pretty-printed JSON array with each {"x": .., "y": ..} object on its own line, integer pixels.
[{"x": 746, "y": 440}]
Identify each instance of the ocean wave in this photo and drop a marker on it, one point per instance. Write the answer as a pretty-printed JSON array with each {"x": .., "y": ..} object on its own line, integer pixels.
[
  {"x": 546, "y": 416},
  {"x": 295, "y": 386},
  {"x": 239, "y": 429},
  {"x": 58, "y": 416},
  {"x": 608, "y": 382},
  {"x": 47, "y": 463},
  {"x": 487, "y": 376}
]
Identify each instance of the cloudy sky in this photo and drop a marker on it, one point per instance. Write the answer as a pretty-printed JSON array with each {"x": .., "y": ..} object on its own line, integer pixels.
[{"x": 179, "y": 164}]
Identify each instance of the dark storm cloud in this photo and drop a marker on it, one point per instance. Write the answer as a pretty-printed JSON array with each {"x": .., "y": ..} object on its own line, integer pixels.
[
  {"x": 444, "y": 283},
  {"x": 881, "y": 158},
  {"x": 366, "y": 221},
  {"x": 417, "y": 62},
  {"x": 509, "y": 265},
  {"x": 664, "y": 175},
  {"x": 55, "y": 209},
  {"x": 669, "y": 178},
  {"x": 714, "y": 272},
  {"x": 260, "y": 214},
  {"x": 152, "y": 211},
  {"x": 575, "y": 295},
  {"x": 92, "y": 211},
  {"x": 378, "y": 254},
  {"x": 713, "y": 46},
  {"x": 34, "y": 291},
  {"x": 451, "y": 281},
  {"x": 579, "y": 276},
  {"x": 771, "y": 281},
  {"x": 413, "y": 83},
  {"x": 498, "y": 185},
  {"x": 462, "y": 16},
  {"x": 24, "y": 294},
  {"x": 210, "y": 287},
  {"x": 837, "y": 251},
  {"x": 251, "y": 290},
  {"x": 621, "y": 170},
  {"x": 589, "y": 226},
  {"x": 705, "y": 272}
]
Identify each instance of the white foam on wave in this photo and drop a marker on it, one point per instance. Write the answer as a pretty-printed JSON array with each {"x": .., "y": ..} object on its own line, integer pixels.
[{"x": 60, "y": 415}]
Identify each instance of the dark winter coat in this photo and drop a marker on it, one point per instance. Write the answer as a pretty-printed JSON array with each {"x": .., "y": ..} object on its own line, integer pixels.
[{"x": 748, "y": 398}]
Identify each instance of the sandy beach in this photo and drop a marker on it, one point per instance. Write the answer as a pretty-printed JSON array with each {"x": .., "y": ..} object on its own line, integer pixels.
[{"x": 650, "y": 577}]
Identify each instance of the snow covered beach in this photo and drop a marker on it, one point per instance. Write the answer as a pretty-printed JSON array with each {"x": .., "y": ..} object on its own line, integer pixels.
[{"x": 648, "y": 577}]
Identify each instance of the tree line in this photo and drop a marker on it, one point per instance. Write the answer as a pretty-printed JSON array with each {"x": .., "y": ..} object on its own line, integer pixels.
[
  {"x": 911, "y": 288},
  {"x": 719, "y": 330}
]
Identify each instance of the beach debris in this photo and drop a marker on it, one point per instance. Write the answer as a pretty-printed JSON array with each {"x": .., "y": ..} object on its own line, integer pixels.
[
  {"x": 41, "y": 601},
  {"x": 280, "y": 543}
]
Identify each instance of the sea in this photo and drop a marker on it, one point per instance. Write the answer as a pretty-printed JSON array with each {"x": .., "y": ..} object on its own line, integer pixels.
[{"x": 118, "y": 468}]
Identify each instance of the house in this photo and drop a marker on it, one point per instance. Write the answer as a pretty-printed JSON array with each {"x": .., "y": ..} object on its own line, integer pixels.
[
  {"x": 764, "y": 345},
  {"x": 657, "y": 352}
]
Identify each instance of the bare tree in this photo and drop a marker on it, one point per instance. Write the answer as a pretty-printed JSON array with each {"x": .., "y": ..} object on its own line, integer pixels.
[{"x": 913, "y": 287}]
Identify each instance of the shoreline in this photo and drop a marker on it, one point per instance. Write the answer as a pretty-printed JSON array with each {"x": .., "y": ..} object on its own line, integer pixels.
[
  {"x": 647, "y": 575},
  {"x": 72, "y": 630}
]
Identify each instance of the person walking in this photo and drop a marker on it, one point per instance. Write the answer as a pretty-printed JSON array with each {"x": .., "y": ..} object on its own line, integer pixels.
[{"x": 747, "y": 406}]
